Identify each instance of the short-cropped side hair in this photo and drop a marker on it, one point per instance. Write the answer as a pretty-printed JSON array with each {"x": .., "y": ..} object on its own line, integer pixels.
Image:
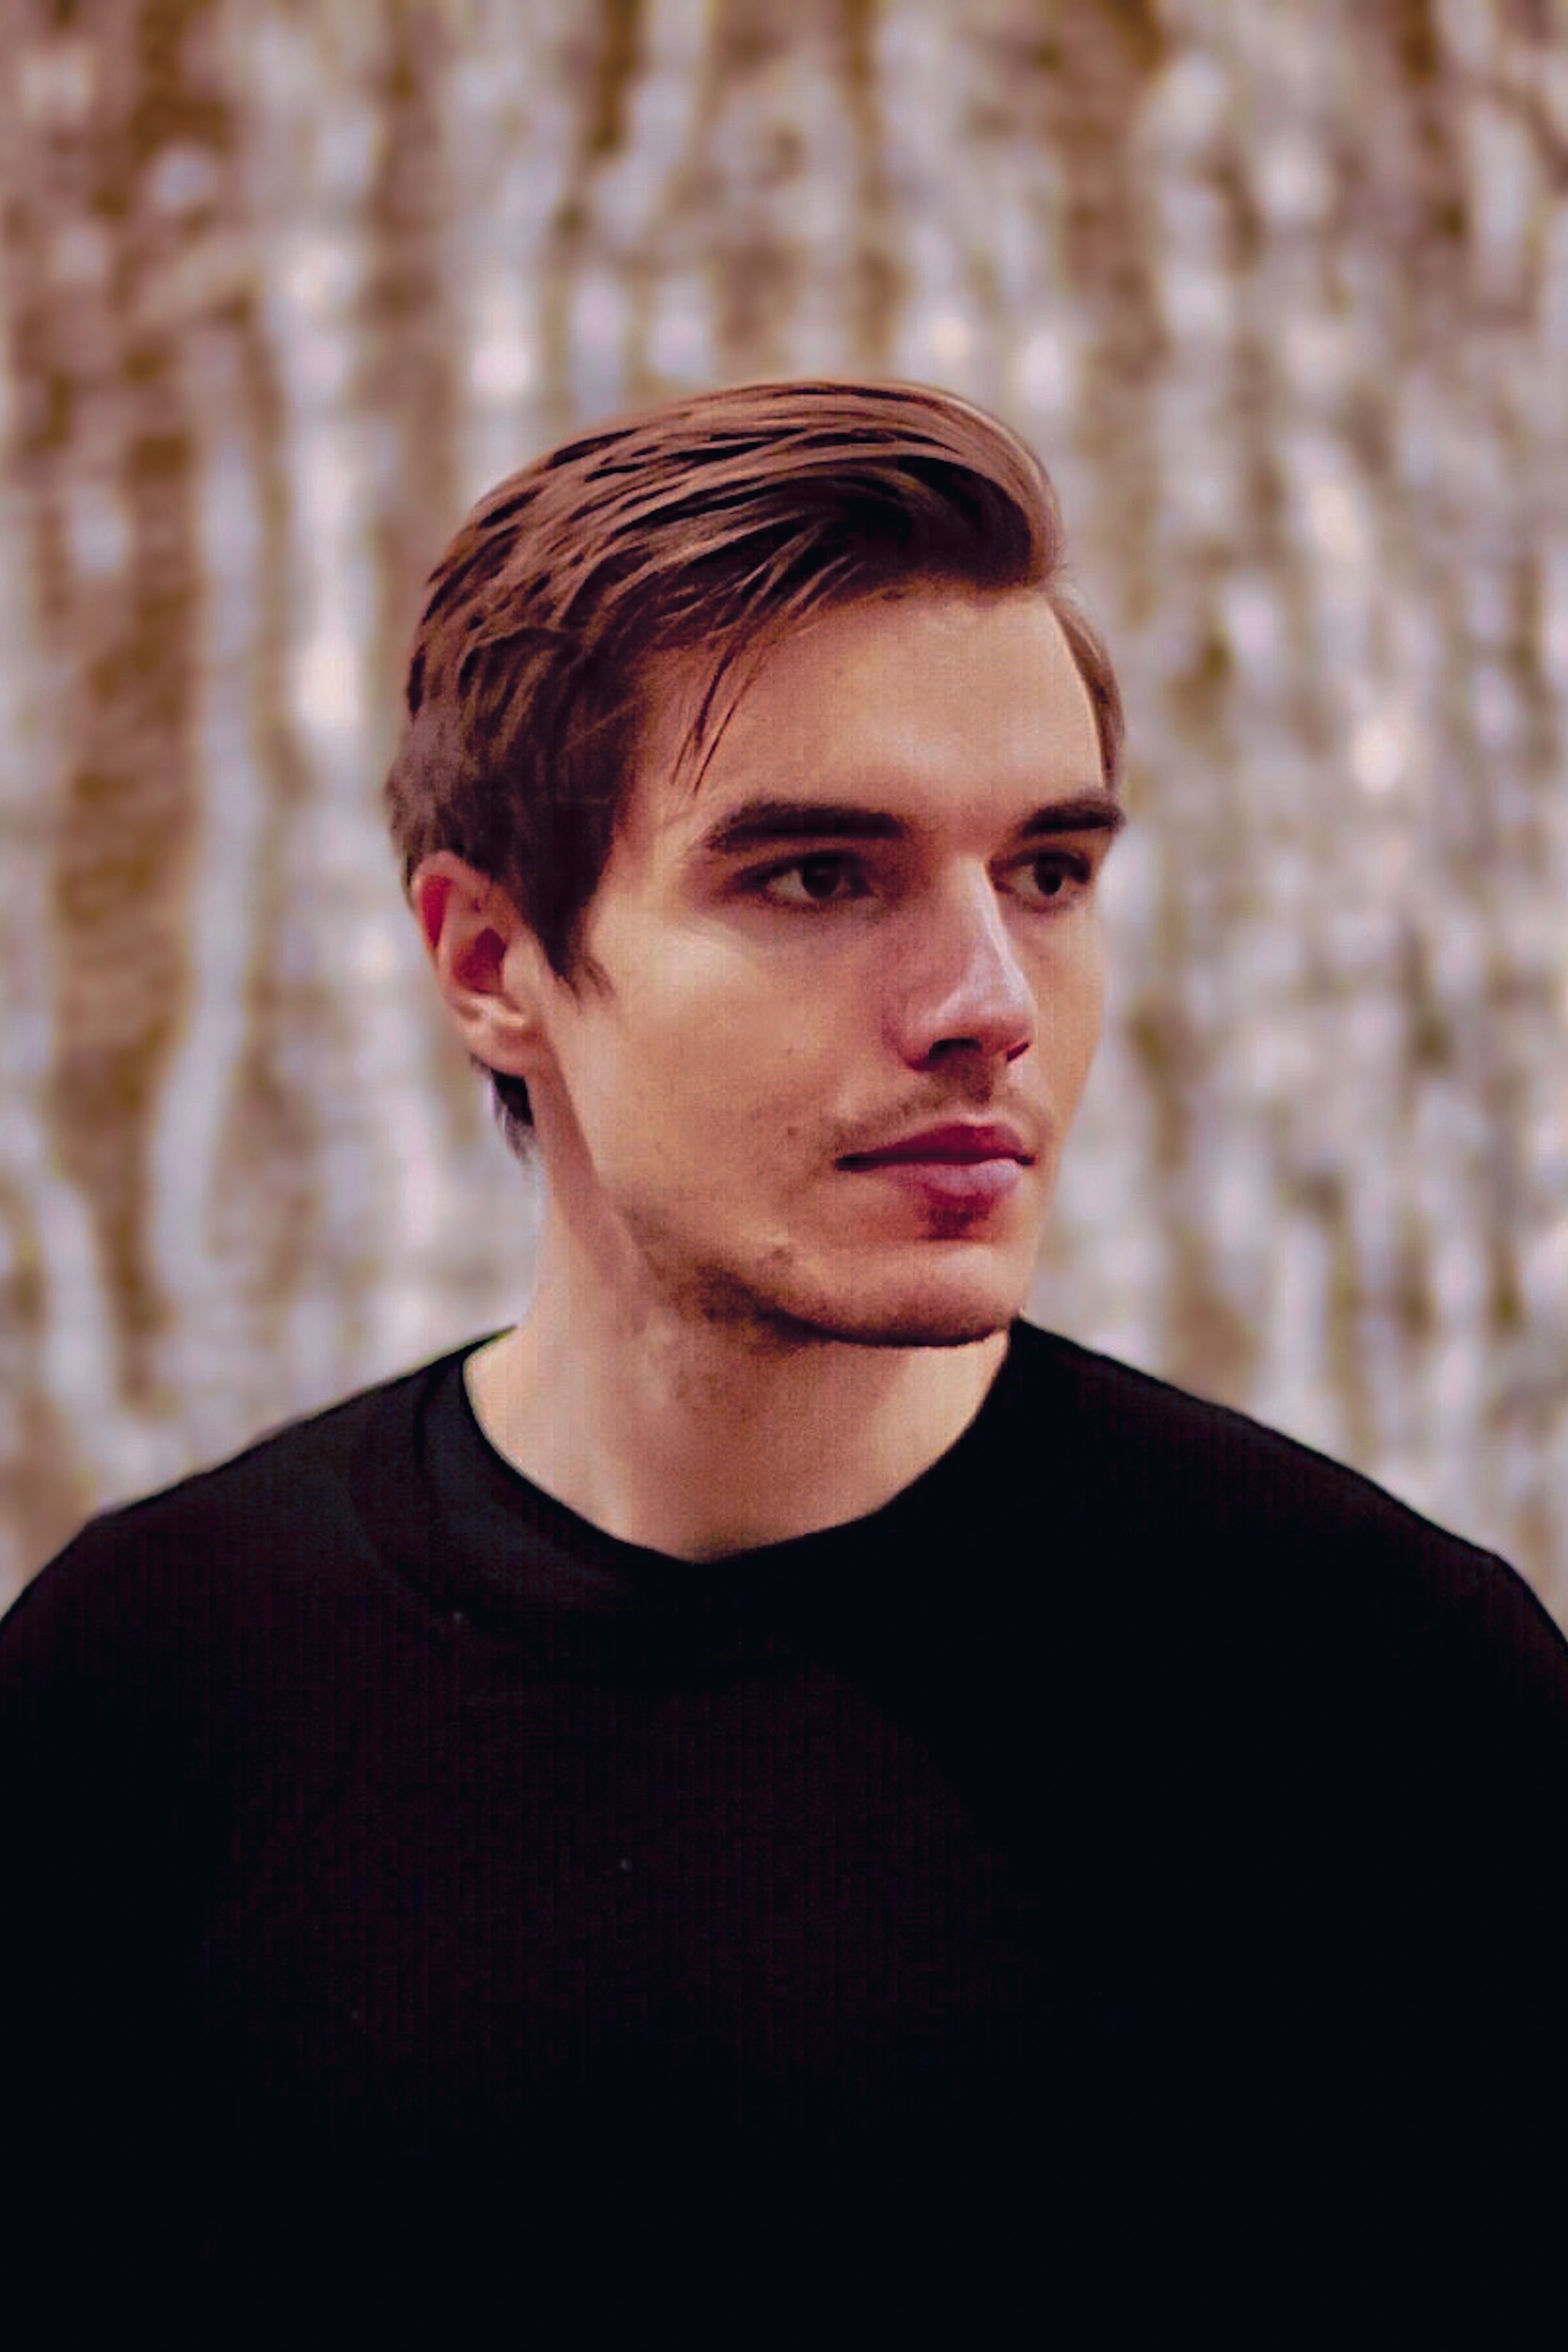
[{"x": 716, "y": 522}]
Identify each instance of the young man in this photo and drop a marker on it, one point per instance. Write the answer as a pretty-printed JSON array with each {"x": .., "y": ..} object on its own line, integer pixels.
[{"x": 773, "y": 1781}]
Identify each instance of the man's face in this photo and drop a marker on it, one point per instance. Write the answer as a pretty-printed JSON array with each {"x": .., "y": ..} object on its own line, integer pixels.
[{"x": 915, "y": 954}]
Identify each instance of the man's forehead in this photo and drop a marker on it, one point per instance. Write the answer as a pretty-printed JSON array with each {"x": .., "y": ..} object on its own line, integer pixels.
[{"x": 852, "y": 705}]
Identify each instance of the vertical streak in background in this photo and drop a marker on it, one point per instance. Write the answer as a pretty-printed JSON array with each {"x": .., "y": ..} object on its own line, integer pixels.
[
  {"x": 46, "y": 1485},
  {"x": 117, "y": 165},
  {"x": 117, "y": 549}
]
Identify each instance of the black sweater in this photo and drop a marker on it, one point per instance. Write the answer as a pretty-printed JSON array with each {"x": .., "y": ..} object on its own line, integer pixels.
[{"x": 1130, "y": 1864}]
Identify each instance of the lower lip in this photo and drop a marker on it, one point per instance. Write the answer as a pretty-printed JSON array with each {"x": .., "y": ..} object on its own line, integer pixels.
[{"x": 972, "y": 1184}]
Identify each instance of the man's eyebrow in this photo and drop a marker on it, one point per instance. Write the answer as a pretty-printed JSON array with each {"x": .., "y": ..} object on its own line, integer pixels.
[{"x": 756, "y": 823}]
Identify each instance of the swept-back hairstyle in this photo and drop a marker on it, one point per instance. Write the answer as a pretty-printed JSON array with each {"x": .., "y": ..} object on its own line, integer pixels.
[{"x": 718, "y": 522}]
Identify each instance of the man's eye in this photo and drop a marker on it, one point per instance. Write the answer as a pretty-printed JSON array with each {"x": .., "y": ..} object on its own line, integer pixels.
[
  {"x": 1049, "y": 881},
  {"x": 812, "y": 882}
]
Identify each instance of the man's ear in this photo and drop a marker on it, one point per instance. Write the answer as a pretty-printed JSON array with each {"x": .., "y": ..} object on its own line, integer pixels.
[{"x": 488, "y": 967}]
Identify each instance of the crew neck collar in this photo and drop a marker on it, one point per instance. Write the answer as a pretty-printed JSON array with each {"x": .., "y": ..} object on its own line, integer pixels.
[{"x": 490, "y": 1522}]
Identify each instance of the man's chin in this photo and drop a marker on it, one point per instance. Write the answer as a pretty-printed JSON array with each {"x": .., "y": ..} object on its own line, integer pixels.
[
  {"x": 920, "y": 1332},
  {"x": 917, "y": 1315},
  {"x": 791, "y": 1304}
]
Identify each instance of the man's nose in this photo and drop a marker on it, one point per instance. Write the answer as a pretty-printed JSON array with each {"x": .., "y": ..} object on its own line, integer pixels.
[{"x": 961, "y": 987}]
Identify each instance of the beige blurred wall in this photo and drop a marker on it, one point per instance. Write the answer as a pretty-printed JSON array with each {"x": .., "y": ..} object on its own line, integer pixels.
[{"x": 1280, "y": 294}]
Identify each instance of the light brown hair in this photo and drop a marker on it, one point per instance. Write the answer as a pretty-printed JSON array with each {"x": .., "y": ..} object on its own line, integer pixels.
[{"x": 718, "y": 521}]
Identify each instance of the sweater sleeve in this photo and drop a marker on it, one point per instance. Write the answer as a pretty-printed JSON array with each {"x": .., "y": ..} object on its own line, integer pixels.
[
  {"x": 98, "y": 1811},
  {"x": 1470, "y": 1860}
]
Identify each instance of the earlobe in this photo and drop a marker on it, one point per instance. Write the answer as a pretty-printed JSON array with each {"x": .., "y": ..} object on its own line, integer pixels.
[{"x": 485, "y": 960}]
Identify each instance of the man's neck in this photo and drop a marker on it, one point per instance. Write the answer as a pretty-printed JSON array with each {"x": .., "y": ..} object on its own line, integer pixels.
[{"x": 701, "y": 1442}]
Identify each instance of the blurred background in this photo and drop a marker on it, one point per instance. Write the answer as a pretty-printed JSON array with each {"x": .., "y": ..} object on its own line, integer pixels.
[{"x": 1280, "y": 294}]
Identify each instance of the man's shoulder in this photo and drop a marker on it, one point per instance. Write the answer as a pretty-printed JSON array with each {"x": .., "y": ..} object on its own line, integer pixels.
[
  {"x": 318, "y": 1495},
  {"x": 1164, "y": 1442},
  {"x": 1203, "y": 1489}
]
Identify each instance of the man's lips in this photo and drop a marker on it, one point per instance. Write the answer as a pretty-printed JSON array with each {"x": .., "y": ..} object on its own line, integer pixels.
[
  {"x": 957, "y": 1174},
  {"x": 956, "y": 1146}
]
